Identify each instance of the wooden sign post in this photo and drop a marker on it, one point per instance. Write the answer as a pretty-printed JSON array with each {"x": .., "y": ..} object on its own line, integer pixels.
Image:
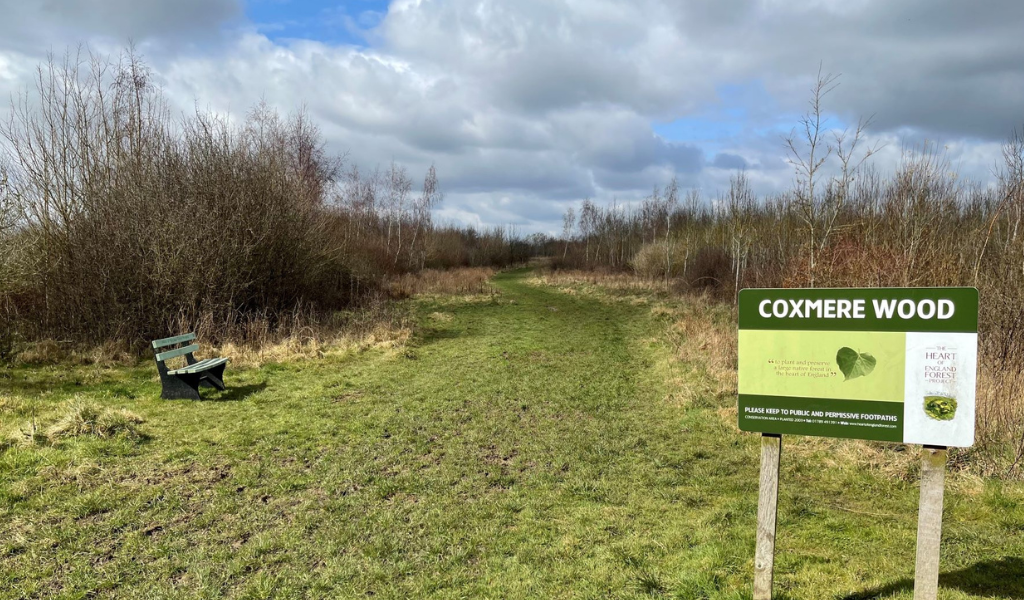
[
  {"x": 767, "y": 511},
  {"x": 884, "y": 364},
  {"x": 929, "y": 522}
]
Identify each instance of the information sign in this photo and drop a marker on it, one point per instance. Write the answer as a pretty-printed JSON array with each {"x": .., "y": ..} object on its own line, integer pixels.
[{"x": 890, "y": 364}]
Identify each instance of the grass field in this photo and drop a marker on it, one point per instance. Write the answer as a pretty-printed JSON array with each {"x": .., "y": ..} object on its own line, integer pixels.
[{"x": 528, "y": 444}]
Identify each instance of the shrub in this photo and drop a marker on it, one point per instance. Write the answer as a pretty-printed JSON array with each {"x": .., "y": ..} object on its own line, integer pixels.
[
  {"x": 710, "y": 269},
  {"x": 659, "y": 260}
]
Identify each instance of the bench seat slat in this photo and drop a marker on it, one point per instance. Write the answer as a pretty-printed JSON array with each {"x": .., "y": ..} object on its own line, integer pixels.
[
  {"x": 187, "y": 337},
  {"x": 177, "y": 352},
  {"x": 203, "y": 365},
  {"x": 196, "y": 365}
]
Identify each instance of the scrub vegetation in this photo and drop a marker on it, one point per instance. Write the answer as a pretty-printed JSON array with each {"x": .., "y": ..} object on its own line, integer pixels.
[
  {"x": 121, "y": 223},
  {"x": 544, "y": 440}
]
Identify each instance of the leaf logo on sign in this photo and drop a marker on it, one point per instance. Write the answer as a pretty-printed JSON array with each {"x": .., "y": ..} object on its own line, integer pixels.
[{"x": 855, "y": 364}]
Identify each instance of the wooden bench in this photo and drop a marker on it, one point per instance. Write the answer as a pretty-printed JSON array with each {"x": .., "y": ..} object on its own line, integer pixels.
[{"x": 184, "y": 382}]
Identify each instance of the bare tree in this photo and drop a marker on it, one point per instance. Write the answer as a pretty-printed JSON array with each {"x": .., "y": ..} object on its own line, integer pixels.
[
  {"x": 671, "y": 203},
  {"x": 430, "y": 197},
  {"x": 808, "y": 149},
  {"x": 11, "y": 217},
  {"x": 568, "y": 223}
]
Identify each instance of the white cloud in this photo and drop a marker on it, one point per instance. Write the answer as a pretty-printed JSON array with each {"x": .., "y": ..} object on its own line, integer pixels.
[{"x": 542, "y": 102}]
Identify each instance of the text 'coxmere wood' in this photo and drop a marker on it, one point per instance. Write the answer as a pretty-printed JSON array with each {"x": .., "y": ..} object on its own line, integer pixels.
[{"x": 833, "y": 308}]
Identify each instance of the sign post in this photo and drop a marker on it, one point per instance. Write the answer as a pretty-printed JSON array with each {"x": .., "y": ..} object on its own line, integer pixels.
[
  {"x": 929, "y": 523},
  {"x": 767, "y": 511},
  {"x": 885, "y": 364}
]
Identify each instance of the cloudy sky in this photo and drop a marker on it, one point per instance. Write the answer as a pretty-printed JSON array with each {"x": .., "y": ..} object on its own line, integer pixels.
[{"x": 529, "y": 106}]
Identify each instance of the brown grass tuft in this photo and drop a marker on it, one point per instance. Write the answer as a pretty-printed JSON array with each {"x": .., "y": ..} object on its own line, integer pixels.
[{"x": 87, "y": 419}]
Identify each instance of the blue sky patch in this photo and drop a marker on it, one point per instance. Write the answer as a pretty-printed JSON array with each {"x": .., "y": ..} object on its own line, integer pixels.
[{"x": 327, "y": 21}]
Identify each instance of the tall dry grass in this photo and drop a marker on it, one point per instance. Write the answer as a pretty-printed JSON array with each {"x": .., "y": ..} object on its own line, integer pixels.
[
  {"x": 451, "y": 282},
  {"x": 604, "y": 278}
]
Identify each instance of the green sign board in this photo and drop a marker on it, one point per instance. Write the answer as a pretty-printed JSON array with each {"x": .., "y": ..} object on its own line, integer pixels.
[{"x": 889, "y": 364}]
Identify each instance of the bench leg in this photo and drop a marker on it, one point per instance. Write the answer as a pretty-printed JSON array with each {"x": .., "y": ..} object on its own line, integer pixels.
[
  {"x": 214, "y": 378},
  {"x": 184, "y": 387},
  {"x": 214, "y": 381}
]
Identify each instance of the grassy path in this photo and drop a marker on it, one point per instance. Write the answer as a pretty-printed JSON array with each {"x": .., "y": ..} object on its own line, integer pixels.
[{"x": 520, "y": 447}]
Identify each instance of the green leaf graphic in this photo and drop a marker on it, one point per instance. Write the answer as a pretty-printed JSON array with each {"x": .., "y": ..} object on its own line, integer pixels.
[{"x": 854, "y": 364}]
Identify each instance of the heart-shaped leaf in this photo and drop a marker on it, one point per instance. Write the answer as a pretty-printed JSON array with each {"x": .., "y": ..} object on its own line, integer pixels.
[{"x": 854, "y": 364}]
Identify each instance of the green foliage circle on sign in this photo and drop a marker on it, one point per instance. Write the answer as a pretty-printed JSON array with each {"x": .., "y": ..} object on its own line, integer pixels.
[
  {"x": 940, "y": 408},
  {"x": 854, "y": 364}
]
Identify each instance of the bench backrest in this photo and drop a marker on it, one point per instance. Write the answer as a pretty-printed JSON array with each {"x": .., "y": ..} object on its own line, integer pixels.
[{"x": 174, "y": 341}]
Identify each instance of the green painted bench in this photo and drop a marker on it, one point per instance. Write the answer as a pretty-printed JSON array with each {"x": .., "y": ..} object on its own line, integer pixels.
[{"x": 184, "y": 382}]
